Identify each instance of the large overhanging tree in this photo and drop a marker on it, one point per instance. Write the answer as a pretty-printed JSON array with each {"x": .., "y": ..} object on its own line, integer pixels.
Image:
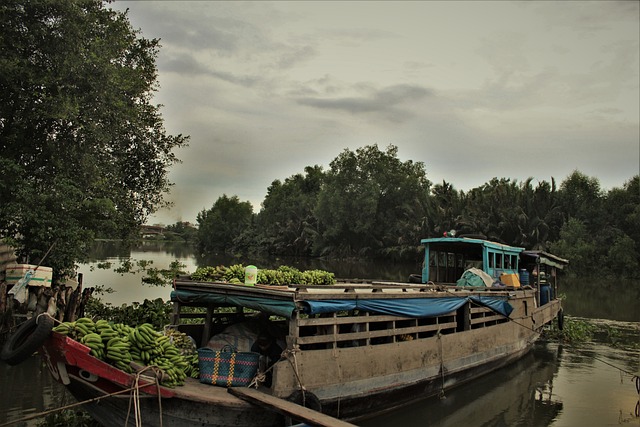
[{"x": 83, "y": 151}]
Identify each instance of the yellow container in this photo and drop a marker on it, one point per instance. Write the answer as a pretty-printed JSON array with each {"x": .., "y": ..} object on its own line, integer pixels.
[{"x": 510, "y": 279}]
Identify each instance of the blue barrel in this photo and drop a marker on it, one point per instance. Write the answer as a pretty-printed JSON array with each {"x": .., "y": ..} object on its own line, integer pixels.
[
  {"x": 524, "y": 277},
  {"x": 545, "y": 294}
]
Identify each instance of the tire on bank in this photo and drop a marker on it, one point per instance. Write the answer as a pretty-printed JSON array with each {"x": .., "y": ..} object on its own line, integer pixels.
[{"x": 28, "y": 338}]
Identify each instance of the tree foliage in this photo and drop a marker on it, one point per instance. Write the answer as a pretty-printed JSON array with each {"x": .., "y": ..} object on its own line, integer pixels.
[
  {"x": 286, "y": 221},
  {"x": 371, "y": 203},
  {"x": 182, "y": 230},
  {"x": 221, "y": 228},
  {"x": 83, "y": 151}
]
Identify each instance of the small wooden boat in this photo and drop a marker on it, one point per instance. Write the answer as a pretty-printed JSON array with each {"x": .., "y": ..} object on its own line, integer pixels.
[{"x": 349, "y": 350}]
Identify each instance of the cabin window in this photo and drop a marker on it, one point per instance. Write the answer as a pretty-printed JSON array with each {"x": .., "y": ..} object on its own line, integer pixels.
[
  {"x": 492, "y": 262},
  {"x": 498, "y": 260}
]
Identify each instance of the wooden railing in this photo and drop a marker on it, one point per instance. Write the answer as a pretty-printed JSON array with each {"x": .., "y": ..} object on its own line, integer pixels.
[{"x": 349, "y": 331}]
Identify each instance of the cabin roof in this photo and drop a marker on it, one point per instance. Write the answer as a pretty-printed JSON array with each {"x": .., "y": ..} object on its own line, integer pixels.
[
  {"x": 443, "y": 242},
  {"x": 546, "y": 258}
]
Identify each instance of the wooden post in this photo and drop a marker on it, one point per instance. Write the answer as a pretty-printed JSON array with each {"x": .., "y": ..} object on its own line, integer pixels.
[{"x": 206, "y": 331}]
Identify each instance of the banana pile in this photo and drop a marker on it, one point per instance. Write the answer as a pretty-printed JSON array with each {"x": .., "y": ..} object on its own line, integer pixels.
[
  {"x": 187, "y": 347},
  {"x": 283, "y": 275},
  {"x": 123, "y": 346}
]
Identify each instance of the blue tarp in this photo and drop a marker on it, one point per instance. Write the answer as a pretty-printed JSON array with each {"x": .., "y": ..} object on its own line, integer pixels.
[
  {"x": 407, "y": 307},
  {"x": 278, "y": 307}
]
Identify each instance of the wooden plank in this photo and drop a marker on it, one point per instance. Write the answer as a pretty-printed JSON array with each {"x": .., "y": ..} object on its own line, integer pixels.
[
  {"x": 287, "y": 408},
  {"x": 372, "y": 318},
  {"x": 487, "y": 319},
  {"x": 354, "y": 336}
]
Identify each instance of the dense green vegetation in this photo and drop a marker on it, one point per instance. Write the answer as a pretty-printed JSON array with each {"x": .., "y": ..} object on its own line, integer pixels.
[
  {"x": 371, "y": 204},
  {"x": 83, "y": 151},
  {"x": 181, "y": 232}
]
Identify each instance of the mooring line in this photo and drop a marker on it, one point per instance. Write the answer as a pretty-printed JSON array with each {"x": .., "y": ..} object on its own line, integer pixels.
[
  {"x": 73, "y": 405},
  {"x": 583, "y": 352}
]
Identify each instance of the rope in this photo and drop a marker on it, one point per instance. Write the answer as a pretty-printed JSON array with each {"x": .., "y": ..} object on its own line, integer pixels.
[
  {"x": 135, "y": 396},
  {"x": 441, "y": 395},
  {"x": 578, "y": 350},
  {"x": 73, "y": 405},
  {"x": 292, "y": 353}
]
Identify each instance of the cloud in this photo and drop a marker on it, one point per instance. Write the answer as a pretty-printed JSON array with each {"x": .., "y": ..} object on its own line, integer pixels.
[
  {"x": 475, "y": 90},
  {"x": 383, "y": 101}
]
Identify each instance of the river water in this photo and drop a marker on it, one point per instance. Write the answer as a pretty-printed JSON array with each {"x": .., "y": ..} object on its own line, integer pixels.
[{"x": 554, "y": 385}]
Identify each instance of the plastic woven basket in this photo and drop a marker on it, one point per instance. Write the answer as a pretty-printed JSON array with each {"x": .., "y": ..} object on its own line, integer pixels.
[{"x": 227, "y": 367}]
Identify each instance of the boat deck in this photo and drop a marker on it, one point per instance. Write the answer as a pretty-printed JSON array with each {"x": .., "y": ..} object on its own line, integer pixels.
[
  {"x": 340, "y": 290},
  {"x": 196, "y": 391}
]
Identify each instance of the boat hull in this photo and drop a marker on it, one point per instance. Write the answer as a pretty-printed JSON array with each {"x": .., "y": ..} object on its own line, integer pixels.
[{"x": 360, "y": 382}]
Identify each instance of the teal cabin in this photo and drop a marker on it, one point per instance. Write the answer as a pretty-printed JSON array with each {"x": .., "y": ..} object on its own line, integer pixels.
[{"x": 446, "y": 258}]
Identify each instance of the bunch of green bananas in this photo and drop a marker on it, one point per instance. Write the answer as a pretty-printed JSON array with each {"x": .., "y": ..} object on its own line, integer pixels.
[
  {"x": 235, "y": 271},
  {"x": 182, "y": 341},
  {"x": 317, "y": 277},
  {"x": 187, "y": 347},
  {"x": 120, "y": 345},
  {"x": 117, "y": 353},
  {"x": 210, "y": 274},
  {"x": 77, "y": 329},
  {"x": 151, "y": 348},
  {"x": 94, "y": 342},
  {"x": 193, "y": 368}
]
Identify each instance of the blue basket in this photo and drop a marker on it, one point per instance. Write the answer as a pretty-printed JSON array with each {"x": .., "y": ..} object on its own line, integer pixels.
[{"x": 227, "y": 367}]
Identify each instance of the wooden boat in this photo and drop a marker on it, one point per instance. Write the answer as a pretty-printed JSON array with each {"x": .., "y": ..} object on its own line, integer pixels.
[{"x": 349, "y": 350}]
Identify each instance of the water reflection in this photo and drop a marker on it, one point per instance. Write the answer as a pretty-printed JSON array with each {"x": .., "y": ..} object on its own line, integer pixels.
[
  {"x": 601, "y": 298},
  {"x": 518, "y": 395},
  {"x": 597, "y": 384},
  {"x": 27, "y": 389}
]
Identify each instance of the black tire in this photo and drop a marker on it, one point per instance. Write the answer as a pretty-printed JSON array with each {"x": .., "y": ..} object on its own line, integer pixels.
[
  {"x": 26, "y": 339},
  {"x": 310, "y": 400},
  {"x": 560, "y": 319}
]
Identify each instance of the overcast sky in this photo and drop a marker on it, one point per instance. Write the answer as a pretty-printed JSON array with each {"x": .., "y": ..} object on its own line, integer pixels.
[{"x": 475, "y": 89}]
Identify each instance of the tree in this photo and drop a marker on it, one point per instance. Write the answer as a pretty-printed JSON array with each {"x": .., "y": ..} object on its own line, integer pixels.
[
  {"x": 286, "y": 222},
  {"x": 224, "y": 224},
  {"x": 581, "y": 197},
  {"x": 578, "y": 246},
  {"x": 622, "y": 257},
  {"x": 183, "y": 230},
  {"x": 83, "y": 150},
  {"x": 492, "y": 210},
  {"x": 444, "y": 209},
  {"x": 371, "y": 204},
  {"x": 622, "y": 206}
]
